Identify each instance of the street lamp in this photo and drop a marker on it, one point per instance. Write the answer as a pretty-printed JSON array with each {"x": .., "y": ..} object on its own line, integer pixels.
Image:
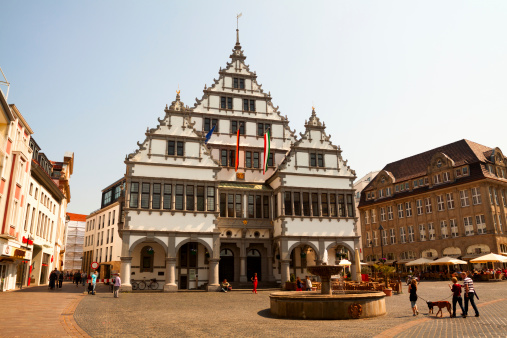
[
  {"x": 381, "y": 228},
  {"x": 372, "y": 253},
  {"x": 28, "y": 239}
]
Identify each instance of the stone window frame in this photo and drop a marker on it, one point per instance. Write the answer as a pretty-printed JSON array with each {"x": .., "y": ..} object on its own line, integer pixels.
[
  {"x": 390, "y": 214},
  {"x": 419, "y": 206},
  {"x": 450, "y": 200},
  {"x": 429, "y": 208},
  {"x": 476, "y": 196},
  {"x": 346, "y": 203},
  {"x": 382, "y": 214},
  {"x": 464, "y": 199},
  {"x": 211, "y": 121},
  {"x": 176, "y": 147},
  {"x": 392, "y": 236},
  {"x": 408, "y": 209},
  {"x": 401, "y": 212},
  {"x": 440, "y": 203}
]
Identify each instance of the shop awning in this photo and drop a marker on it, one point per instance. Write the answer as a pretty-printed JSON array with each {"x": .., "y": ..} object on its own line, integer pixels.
[{"x": 244, "y": 186}]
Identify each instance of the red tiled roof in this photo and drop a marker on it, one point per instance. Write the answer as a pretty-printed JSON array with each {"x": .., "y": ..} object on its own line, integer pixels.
[
  {"x": 77, "y": 217},
  {"x": 461, "y": 152}
]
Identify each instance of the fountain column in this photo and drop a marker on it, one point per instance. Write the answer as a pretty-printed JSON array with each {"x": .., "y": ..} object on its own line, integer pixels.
[{"x": 285, "y": 271}]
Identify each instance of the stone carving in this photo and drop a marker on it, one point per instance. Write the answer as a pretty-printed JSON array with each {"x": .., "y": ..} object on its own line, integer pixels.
[{"x": 355, "y": 310}]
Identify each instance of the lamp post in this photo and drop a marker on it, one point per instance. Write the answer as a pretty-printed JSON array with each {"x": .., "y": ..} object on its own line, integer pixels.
[
  {"x": 28, "y": 239},
  {"x": 372, "y": 253}
]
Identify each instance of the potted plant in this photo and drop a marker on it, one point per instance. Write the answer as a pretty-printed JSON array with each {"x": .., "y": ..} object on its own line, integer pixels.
[
  {"x": 290, "y": 285},
  {"x": 387, "y": 271}
]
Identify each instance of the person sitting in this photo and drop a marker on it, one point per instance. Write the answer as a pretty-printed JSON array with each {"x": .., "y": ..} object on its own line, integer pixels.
[{"x": 226, "y": 286}]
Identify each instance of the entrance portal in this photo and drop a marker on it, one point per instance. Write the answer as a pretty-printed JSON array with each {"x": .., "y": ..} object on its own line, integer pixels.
[
  {"x": 253, "y": 264},
  {"x": 226, "y": 266}
]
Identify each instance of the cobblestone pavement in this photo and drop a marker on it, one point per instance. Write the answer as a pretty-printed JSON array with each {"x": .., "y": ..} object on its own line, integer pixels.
[
  {"x": 38, "y": 311},
  {"x": 241, "y": 313}
]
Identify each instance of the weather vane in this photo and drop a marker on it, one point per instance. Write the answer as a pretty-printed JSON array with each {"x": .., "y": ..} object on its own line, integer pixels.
[
  {"x": 237, "y": 20},
  {"x": 178, "y": 91}
]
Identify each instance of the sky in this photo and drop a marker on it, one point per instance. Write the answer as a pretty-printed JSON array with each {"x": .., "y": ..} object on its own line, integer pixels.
[{"x": 390, "y": 79}]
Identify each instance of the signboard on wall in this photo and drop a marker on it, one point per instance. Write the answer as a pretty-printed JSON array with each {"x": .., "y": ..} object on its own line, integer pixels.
[{"x": 191, "y": 274}]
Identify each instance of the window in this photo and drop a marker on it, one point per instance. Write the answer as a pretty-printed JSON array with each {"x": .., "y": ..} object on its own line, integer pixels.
[
  {"x": 145, "y": 196},
  {"x": 504, "y": 199},
  {"x": 190, "y": 198},
  {"x": 341, "y": 206},
  {"x": 476, "y": 196},
  {"x": 440, "y": 203},
  {"x": 431, "y": 231},
  {"x": 171, "y": 148},
  {"x": 381, "y": 193},
  {"x": 403, "y": 236},
  {"x": 428, "y": 205},
  {"x": 315, "y": 204},
  {"x": 469, "y": 226},
  {"x": 450, "y": 201},
  {"x": 265, "y": 206},
  {"x": 384, "y": 237},
  {"x": 419, "y": 206},
  {"x": 382, "y": 214},
  {"x": 368, "y": 240},
  {"x": 408, "y": 208},
  {"x": 332, "y": 204},
  {"x": 288, "y": 203},
  {"x": 117, "y": 192},
  {"x": 374, "y": 216},
  {"x": 238, "y": 124},
  {"x": 297, "y": 204},
  {"x": 107, "y": 239},
  {"x": 481, "y": 224},
  {"x": 447, "y": 177},
  {"x": 27, "y": 216},
  {"x": 325, "y": 207},
  {"x": 262, "y": 128},
  {"x": 225, "y": 102},
  {"x": 443, "y": 229},
  {"x": 436, "y": 179},
  {"x": 465, "y": 171},
  {"x": 211, "y": 198},
  {"x": 239, "y": 83},
  {"x": 458, "y": 172},
  {"x": 496, "y": 197},
  {"x": 366, "y": 217},
  {"x": 248, "y": 159},
  {"x": 375, "y": 238},
  {"x": 306, "y": 204},
  {"x": 316, "y": 160},
  {"x": 200, "y": 198},
  {"x": 248, "y": 105},
  {"x": 400, "y": 210},
  {"x": 393, "y": 236},
  {"x": 454, "y": 228},
  {"x": 107, "y": 197},
  {"x": 258, "y": 206},
  {"x": 147, "y": 258},
  {"x": 464, "y": 198},
  {"x": 350, "y": 206},
  {"x": 179, "y": 197},
  {"x": 167, "y": 196},
  {"x": 155, "y": 203},
  {"x": 415, "y": 184},
  {"x": 209, "y": 123},
  {"x": 422, "y": 232},
  {"x": 134, "y": 195}
]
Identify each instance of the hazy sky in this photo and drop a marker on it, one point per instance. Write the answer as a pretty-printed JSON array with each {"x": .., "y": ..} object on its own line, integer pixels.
[{"x": 389, "y": 78}]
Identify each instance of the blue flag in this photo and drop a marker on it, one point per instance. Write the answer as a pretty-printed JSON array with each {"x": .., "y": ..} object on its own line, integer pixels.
[{"x": 208, "y": 135}]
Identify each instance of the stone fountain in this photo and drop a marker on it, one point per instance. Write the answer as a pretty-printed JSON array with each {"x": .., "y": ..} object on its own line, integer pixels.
[{"x": 326, "y": 304}]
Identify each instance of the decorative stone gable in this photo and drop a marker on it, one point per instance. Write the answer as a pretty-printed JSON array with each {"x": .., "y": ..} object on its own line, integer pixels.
[
  {"x": 161, "y": 143},
  {"x": 314, "y": 153}
]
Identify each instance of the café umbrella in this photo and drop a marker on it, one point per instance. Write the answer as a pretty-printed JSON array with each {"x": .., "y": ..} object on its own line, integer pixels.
[
  {"x": 419, "y": 261},
  {"x": 447, "y": 261},
  {"x": 493, "y": 258}
]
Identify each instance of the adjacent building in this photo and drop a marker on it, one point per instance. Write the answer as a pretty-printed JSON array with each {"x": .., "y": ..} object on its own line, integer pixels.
[
  {"x": 448, "y": 201},
  {"x": 74, "y": 242},
  {"x": 102, "y": 243},
  {"x": 226, "y": 189},
  {"x": 359, "y": 185}
]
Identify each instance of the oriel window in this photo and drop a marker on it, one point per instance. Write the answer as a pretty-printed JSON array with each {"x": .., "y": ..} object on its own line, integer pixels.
[
  {"x": 325, "y": 207},
  {"x": 145, "y": 196},
  {"x": 211, "y": 198},
  {"x": 332, "y": 205},
  {"x": 190, "y": 198},
  {"x": 250, "y": 206},
  {"x": 238, "y": 205},
  {"x": 200, "y": 198},
  {"x": 258, "y": 206},
  {"x": 179, "y": 197},
  {"x": 297, "y": 204},
  {"x": 265, "y": 206},
  {"x": 223, "y": 205},
  {"x": 223, "y": 158},
  {"x": 341, "y": 205},
  {"x": 315, "y": 204},
  {"x": 288, "y": 203},
  {"x": 306, "y": 204},
  {"x": 350, "y": 206}
]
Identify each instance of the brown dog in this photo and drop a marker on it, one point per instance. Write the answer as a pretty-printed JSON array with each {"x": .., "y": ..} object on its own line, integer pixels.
[{"x": 441, "y": 305}]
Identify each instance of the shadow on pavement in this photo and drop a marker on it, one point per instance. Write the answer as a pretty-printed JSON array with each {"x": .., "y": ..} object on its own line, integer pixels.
[{"x": 266, "y": 314}]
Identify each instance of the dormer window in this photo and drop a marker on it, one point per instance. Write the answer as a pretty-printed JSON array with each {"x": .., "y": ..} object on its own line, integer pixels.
[
  {"x": 388, "y": 191},
  {"x": 436, "y": 179},
  {"x": 383, "y": 180},
  {"x": 464, "y": 170},
  {"x": 458, "y": 172},
  {"x": 316, "y": 160},
  {"x": 439, "y": 163},
  {"x": 447, "y": 177},
  {"x": 381, "y": 193},
  {"x": 225, "y": 102}
]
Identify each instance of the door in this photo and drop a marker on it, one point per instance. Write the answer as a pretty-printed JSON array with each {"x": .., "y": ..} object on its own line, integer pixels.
[
  {"x": 253, "y": 264},
  {"x": 226, "y": 266},
  {"x": 183, "y": 283}
]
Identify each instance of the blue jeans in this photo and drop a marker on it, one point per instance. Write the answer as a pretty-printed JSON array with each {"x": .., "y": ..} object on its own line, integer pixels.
[
  {"x": 459, "y": 300},
  {"x": 470, "y": 298}
]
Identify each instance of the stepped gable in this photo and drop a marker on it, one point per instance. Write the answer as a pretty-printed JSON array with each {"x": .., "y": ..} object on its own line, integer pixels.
[
  {"x": 176, "y": 124},
  {"x": 238, "y": 66},
  {"x": 310, "y": 140}
]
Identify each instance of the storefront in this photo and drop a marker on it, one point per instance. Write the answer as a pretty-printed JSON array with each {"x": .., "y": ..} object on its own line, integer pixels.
[{"x": 11, "y": 261}]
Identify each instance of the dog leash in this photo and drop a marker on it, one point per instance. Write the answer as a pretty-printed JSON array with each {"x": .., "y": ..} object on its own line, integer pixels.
[{"x": 434, "y": 302}]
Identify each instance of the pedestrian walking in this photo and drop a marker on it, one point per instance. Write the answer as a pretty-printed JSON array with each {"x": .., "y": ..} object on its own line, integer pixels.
[
  {"x": 83, "y": 278},
  {"x": 78, "y": 278},
  {"x": 470, "y": 293},
  {"x": 60, "y": 280},
  {"x": 456, "y": 297},
  {"x": 255, "y": 281},
  {"x": 52, "y": 279},
  {"x": 299, "y": 284},
  {"x": 94, "y": 282},
  {"x": 308, "y": 284},
  {"x": 412, "y": 290},
  {"x": 117, "y": 284}
]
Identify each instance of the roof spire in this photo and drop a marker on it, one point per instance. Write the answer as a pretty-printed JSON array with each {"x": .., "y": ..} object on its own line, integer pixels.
[{"x": 237, "y": 28}]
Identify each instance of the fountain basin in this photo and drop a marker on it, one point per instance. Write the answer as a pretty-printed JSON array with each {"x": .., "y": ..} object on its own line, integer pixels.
[{"x": 313, "y": 305}]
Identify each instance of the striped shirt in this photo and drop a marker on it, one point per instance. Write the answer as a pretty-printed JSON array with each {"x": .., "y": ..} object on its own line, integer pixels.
[{"x": 468, "y": 281}]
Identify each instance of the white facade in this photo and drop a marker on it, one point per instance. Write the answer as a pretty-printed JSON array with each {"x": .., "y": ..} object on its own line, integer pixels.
[
  {"x": 193, "y": 219},
  {"x": 359, "y": 185}
]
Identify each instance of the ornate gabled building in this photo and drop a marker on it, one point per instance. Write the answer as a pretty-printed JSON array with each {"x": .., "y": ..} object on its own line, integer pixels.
[
  {"x": 448, "y": 201},
  {"x": 199, "y": 211}
]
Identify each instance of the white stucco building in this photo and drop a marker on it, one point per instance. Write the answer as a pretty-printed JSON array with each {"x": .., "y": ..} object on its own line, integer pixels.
[{"x": 192, "y": 219}]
